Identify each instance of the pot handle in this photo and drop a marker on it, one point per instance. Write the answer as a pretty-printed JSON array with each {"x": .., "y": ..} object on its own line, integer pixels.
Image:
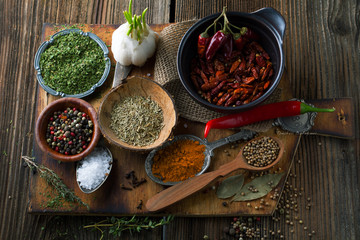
[{"x": 274, "y": 18}]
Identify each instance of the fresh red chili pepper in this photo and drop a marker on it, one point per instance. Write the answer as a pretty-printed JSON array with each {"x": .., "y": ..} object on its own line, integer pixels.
[
  {"x": 215, "y": 44},
  {"x": 261, "y": 113}
]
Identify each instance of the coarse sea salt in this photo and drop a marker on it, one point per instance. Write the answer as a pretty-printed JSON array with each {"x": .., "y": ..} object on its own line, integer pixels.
[{"x": 94, "y": 168}]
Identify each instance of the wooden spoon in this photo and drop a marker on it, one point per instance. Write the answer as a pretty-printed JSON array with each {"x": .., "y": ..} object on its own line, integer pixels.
[{"x": 184, "y": 189}]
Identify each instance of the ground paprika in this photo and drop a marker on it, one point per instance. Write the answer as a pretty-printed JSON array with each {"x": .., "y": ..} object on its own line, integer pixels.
[{"x": 179, "y": 161}]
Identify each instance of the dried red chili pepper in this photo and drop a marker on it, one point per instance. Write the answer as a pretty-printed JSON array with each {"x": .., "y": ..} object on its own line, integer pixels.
[
  {"x": 227, "y": 46},
  {"x": 239, "y": 41},
  {"x": 235, "y": 65},
  {"x": 203, "y": 42},
  {"x": 219, "y": 39},
  {"x": 204, "y": 38},
  {"x": 249, "y": 34},
  {"x": 217, "y": 89},
  {"x": 223, "y": 99},
  {"x": 261, "y": 113},
  {"x": 215, "y": 44}
]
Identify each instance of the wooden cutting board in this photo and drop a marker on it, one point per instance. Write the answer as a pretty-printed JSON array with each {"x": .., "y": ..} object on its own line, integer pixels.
[{"x": 111, "y": 199}]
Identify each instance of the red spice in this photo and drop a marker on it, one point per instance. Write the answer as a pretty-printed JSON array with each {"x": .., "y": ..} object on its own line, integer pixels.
[{"x": 236, "y": 79}]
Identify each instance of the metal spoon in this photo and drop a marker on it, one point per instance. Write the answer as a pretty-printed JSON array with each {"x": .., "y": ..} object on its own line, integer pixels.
[
  {"x": 209, "y": 148},
  {"x": 78, "y": 165},
  {"x": 184, "y": 189}
]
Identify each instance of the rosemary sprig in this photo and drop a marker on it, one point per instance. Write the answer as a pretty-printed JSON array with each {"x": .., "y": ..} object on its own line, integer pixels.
[
  {"x": 134, "y": 224},
  {"x": 64, "y": 193}
]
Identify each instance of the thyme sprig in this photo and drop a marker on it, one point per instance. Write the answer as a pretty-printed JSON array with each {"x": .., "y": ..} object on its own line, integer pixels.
[
  {"x": 116, "y": 226},
  {"x": 64, "y": 193}
]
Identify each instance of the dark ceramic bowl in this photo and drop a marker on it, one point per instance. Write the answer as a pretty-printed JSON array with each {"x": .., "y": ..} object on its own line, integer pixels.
[
  {"x": 266, "y": 22},
  {"x": 46, "y": 44},
  {"x": 60, "y": 105}
]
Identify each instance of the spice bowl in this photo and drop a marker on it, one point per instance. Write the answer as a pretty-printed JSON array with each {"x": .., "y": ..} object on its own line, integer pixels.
[
  {"x": 89, "y": 71},
  {"x": 45, "y": 118},
  {"x": 133, "y": 87},
  {"x": 269, "y": 26}
]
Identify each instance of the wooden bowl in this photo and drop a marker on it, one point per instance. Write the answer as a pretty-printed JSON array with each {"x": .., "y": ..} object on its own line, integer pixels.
[
  {"x": 138, "y": 86},
  {"x": 61, "y": 105}
]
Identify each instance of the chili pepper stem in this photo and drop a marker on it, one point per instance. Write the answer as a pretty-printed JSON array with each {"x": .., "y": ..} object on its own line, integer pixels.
[
  {"x": 304, "y": 108},
  {"x": 215, "y": 21},
  {"x": 226, "y": 21}
]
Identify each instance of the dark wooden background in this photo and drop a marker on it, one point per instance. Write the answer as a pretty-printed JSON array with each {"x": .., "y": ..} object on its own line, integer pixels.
[{"x": 322, "y": 51}]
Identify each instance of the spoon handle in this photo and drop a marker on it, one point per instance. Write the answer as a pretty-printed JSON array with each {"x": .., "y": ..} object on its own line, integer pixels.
[{"x": 184, "y": 189}]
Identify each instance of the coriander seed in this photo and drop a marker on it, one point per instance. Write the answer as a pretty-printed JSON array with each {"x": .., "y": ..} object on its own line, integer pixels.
[{"x": 261, "y": 152}]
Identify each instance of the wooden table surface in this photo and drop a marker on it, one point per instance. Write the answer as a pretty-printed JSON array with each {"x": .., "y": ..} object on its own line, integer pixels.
[{"x": 322, "y": 57}]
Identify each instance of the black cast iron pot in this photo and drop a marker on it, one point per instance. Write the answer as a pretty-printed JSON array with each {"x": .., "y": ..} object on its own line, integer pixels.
[{"x": 266, "y": 22}]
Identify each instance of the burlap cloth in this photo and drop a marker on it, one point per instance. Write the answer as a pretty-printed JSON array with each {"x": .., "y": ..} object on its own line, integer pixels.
[{"x": 165, "y": 73}]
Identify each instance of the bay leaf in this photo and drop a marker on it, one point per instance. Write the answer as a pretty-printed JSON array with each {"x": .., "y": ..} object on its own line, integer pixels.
[
  {"x": 230, "y": 186},
  {"x": 261, "y": 184}
]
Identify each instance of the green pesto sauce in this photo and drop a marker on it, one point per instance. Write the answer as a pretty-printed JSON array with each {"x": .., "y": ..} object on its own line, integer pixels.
[{"x": 72, "y": 64}]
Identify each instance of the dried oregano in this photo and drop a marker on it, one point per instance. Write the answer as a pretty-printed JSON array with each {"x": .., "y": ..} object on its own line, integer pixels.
[
  {"x": 72, "y": 63},
  {"x": 137, "y": 120},
  {"x": 230, "y": 186},
  {"x": 258, "y": 188}
]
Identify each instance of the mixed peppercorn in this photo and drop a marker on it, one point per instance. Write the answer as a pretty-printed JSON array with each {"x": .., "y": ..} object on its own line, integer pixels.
[
  {"x": 231, "y": 68},
  {"x": 69, "y": 132}
]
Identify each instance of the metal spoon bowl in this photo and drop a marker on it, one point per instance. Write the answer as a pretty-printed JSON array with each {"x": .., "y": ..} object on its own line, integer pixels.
[
  {"x": 209, "y": 148},
  {"x": 79, "y": 163}
]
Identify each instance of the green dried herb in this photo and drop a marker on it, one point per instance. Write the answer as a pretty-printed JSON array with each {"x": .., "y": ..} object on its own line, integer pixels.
[
  {"x": 63, "y": 192},
  {"x": 137, "y": 120},
  {"x": 230, "y": 186},
  {"x": 72, "y": 64},
  {"x": 134, "y": 224},
  {"x": 258, "y": 188}
]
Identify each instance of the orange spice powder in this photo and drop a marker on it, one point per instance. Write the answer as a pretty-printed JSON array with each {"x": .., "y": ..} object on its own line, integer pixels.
[{"x": 179, "y": 161}]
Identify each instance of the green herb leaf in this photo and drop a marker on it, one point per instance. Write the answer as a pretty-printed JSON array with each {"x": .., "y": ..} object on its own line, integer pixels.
[
  {"x": 263, "y": 185},
  {"x": 116, "y": 226},
  {"x": 230, "y": 186},
  {"x": 72, "y": 63}
]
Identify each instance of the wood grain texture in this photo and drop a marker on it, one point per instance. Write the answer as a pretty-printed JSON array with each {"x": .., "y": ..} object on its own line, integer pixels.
[{"x": 322, "y": 51}]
